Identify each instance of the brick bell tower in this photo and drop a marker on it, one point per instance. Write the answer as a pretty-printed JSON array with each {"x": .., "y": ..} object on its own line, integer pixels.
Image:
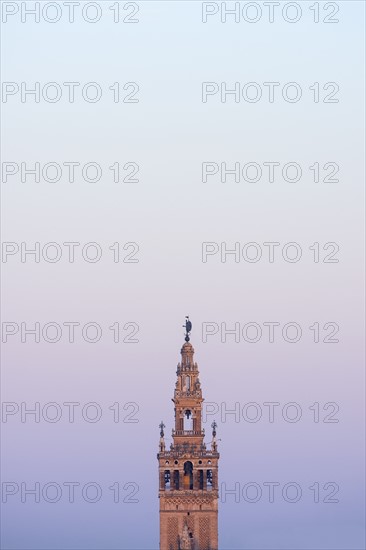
[{"x": 188, "y": 472}]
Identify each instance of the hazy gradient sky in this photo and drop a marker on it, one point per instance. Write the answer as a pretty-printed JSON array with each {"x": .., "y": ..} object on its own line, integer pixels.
[{"x": 169, "y": 213}]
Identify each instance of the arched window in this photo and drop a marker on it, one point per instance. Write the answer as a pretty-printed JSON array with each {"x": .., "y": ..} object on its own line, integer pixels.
[
  {"x": 176, "y": 480},
  {"x": 209, "y": 480},
  {"x": 188, "y": 420},
  {"x": 188, "y": 475},
  {"x": 201, "y": 480},
  {"x": 167, "y": 479}
]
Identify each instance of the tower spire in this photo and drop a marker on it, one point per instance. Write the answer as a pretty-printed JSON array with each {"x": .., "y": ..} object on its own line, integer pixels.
[{"x": 188, "y": 472}]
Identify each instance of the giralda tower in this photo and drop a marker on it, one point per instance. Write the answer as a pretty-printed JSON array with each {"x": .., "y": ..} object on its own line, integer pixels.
[{"x": 188, "y": 471}]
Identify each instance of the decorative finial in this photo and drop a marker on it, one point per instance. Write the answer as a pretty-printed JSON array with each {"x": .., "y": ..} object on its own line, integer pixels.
[
  {"x": 214, "y": 441},
  {"x": 162, "y": 442},
  {"x": 161, "y": 426},
  {"x": 188, "y": 327}
]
